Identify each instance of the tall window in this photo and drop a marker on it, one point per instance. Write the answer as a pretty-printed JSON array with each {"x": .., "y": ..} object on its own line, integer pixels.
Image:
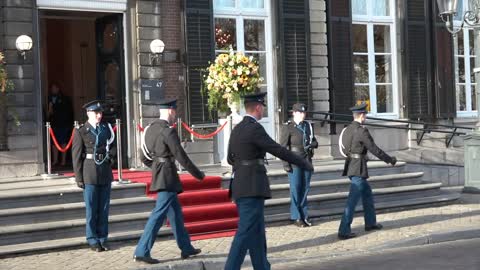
[
  {"x": 241, "y": 24},
  {"x": 465, "y": 84},
  {"x": 374, "y": 59}
]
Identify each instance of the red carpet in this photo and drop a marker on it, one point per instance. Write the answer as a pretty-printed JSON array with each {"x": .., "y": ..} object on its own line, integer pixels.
[{"x": 207, "y": 210}]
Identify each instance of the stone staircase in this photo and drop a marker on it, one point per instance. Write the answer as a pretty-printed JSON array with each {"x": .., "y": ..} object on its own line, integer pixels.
[{"x": 39, "y": 214}]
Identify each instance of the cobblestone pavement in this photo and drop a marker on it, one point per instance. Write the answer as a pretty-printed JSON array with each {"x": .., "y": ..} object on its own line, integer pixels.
[{"x": 285, "y": 242}]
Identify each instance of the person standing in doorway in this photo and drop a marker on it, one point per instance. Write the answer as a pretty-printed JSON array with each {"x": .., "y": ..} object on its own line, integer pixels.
[
  {"x": 297, "y": 135},
  {"x": 250, "y": 187},
  {"x": 160, "y": 148},
  {"x": 60, "y": 116},
  {"x": 93, "y": 152},
  {"x": 355, "y": 142}
]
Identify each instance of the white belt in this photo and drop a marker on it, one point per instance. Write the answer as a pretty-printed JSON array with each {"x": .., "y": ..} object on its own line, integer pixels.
[{"x": 89, "y": 156}]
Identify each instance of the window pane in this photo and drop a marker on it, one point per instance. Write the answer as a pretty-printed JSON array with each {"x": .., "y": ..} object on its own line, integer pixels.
[
  {"x": 461, "y": 49},
  {"x": 359, "y": 7},
  {"x": 384, "y": 99},
  {"x": 474, "y": 97},
  {"x": 461, "y": 69},
  {"x": 359, "y": 37},
  {"x": 382, "y": 38},
  {"x": 252, "y": 4},
  {"x": 362, "y": 94},
  {"x": 472, "y": 65},
  {"x": 462, "y": 103},
  {"x": 225, "y": 34},
  {"x": 381, "y": 7},
  {"x": 360, "y": 68},
  {"x": 459, "y": 15},
  {"x": 261, "y": 59},
  {"x": 471, "y": 41},
  {"x": 223, "y": 3},
  {"x": 254, "y": 35},
  {"x": 383, "y": 68}
]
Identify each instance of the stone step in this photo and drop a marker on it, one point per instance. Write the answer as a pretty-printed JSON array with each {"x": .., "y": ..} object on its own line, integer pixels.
[
  {"x": 272, "y": 220},
  {"x": 42, "y": 196},
  {"x": 333, "y": 200},
  {"x": 69, "y": 211},
  {"x": 343, "y": 185},
  {"x": 325, "y": 171},
  {"x": 444, "y": 197},
  {"x": 135, "y": 220}
]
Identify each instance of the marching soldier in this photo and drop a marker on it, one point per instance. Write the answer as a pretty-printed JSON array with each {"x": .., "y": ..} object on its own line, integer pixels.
[
  {"x": 298, "y": 137},
  {"x": 355, "y": 141},
  {"x": 93, "y": 152},
  {"x": 250, "y": 186},
  {"x": 160, "y": 148}
]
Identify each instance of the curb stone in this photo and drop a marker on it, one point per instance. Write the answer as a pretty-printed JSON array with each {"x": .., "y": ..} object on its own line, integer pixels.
[{"x": 434, "y": 238}]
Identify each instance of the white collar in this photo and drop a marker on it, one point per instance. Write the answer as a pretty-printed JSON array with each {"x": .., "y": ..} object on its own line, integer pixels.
[{"x": 251, "y": 117}]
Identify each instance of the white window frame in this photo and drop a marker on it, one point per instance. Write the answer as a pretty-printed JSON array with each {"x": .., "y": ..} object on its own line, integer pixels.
[
  {"x": 256, "y": 14},
  {"x": 469, "y": 86},
  {"x": 370, "y": 21}
]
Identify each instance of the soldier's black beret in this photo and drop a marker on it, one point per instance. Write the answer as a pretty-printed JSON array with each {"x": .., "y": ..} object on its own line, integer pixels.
[
  {"x": 359, "y": 108},
  {"x": 256, "y": 97},
  {"x": 94, "y": 105},
  {"x": 170, "y": 103}
]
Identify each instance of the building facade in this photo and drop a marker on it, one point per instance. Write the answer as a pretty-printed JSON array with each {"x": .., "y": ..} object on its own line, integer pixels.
[{"x": 395, "y": 55}]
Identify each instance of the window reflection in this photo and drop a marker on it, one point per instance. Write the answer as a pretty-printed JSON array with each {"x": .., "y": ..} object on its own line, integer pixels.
[
  {"x": 254, "y": 35},
  {"x": 109, "y": 38},
  {"x": 225, "y": 34}
]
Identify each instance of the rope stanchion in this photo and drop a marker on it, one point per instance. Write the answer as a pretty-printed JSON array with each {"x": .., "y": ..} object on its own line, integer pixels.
[
  {"x": 57, "y": 145},
  {"x": 49, "y": 154},
  {"x": 121, "y": 180},
  {"x": 204, "y": 136}
]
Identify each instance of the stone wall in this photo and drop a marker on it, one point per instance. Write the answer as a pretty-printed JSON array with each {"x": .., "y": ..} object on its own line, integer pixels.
[
  {"x": 162, "y": 20},
  {"x": 25, "y": 156},
  {"x": 319, "y": 63}
]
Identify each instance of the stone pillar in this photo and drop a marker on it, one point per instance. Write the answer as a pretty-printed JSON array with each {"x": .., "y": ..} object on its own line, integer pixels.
[
  {"x": 24, "y": 127},
  {"x": 319, "y": 63}
]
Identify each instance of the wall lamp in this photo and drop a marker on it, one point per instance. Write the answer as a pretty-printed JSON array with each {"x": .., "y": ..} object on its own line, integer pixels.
[
  {"x": 156, "y": 48},
  {"x": 24, "y": 43},
  {"x": 448, "y": 10}
]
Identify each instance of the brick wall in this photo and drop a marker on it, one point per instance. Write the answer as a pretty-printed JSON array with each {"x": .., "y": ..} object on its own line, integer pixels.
[{"x": 162, "y": 20}]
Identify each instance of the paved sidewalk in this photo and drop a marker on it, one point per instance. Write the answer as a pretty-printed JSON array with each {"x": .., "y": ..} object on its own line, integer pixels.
[{"x": 285, "y": 242}]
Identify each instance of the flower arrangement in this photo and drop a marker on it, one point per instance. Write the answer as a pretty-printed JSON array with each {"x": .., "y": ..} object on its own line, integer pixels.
[{"x": 231, "y": 76}]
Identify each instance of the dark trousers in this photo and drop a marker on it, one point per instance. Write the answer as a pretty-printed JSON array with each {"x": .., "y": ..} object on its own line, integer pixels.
[
  {"x": 97, "y": 204},
  {"x": 250, "y": 236},
  {"x": 167, "y": 206},
  {"x": 359, "y": 188},
  {"x": 299, "y": 188}
]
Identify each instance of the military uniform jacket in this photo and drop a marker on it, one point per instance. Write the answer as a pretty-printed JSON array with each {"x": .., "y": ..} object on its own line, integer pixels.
[
  {"x": 249, "y": 141},
  {"x": 86, "y": 170},
  {"x": 163, "y": 141},
  {"x": 299, "y": 139},
  {"x": 357, "y": 140}
]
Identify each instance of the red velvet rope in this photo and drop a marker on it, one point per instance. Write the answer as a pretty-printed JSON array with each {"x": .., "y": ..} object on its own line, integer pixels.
[
  {"x": 114, "y": 128},
  {"x": 204, "y": 136},
  {"x": 55, "y": 142}
]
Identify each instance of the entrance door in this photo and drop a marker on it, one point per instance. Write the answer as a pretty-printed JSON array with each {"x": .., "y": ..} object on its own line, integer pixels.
[{"x": 110, "y": 72}]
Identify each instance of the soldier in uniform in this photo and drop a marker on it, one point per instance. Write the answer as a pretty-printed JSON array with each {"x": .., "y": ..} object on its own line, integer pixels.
[
  {"x": 93, "y": 152},
  {"x": 355, "y": 142},
  {"x": 160, "y": 148},
  {"x": 297, "y": 135},
  {"x": 250, "y": 186}
]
